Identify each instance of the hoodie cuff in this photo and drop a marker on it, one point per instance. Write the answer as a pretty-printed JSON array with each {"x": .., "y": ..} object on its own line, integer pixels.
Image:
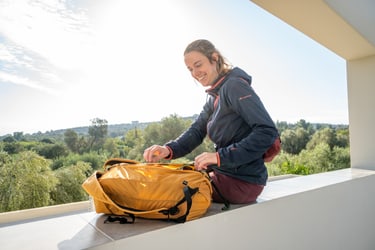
[
  {"x": 218, "y": 159},
  {"x": 170, "y": 156}
]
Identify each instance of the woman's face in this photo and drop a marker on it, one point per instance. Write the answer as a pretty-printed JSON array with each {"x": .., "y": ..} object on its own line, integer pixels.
[{"x": 200, "y": 68}]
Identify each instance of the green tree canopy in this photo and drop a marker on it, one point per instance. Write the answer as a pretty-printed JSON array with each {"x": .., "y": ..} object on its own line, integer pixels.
[
  {"x": 294, "y": 140},
  {"x": 98, "y": 132},
  {"x": 71, "y": 140},
  {"x": 52, "y": 151},
  {"x": 324, "y": 135},
  {"x": 69, "y": 187},
  {"x": 25, "y": 182}
]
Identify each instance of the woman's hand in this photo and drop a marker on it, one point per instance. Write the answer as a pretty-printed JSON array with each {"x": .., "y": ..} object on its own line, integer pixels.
[
  {"x": 155, "y": 153},
  {"x": 205, "y": 159}
]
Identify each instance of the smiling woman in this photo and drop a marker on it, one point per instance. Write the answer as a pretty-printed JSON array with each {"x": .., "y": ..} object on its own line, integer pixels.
[
  {"x": 233, "y": 118},
  {"x": 116, "y": 59}
]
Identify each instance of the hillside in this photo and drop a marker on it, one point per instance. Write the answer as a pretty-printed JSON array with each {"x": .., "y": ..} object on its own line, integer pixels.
[{"x": 114, "y": 130}]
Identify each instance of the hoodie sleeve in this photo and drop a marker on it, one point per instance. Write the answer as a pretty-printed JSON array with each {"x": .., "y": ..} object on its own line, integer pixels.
[{"x": 193, "y": 136}]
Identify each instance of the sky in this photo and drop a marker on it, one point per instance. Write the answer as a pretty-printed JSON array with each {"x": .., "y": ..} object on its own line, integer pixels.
[{"x": 66, "y": 62}]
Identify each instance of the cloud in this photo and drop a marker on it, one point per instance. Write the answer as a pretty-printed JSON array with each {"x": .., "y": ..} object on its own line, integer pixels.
[
  {"x": 19, "y": 80},
  {"x": 46, "y": 41},
  {"x": 22, "y": 67},
  {"x": 48, "y": 28}
]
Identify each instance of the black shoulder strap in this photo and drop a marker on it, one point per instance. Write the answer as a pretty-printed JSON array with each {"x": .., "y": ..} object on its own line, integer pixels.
[
  {"x": 188, "y": 193},
  {"x": 120, "y": 219},
  {"x": 225, "y": 201}
]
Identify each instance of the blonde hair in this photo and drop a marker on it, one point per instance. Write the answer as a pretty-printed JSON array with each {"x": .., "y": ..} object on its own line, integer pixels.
[{"x": 206, "y": 48}]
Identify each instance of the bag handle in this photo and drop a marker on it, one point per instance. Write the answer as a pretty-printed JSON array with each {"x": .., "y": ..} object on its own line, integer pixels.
[
  {"x": 109, "y": 163},
  {"x": 113, "y": 161}
]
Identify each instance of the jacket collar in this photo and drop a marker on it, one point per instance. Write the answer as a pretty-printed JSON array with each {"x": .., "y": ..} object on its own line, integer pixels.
[{"x": 216, "y": 86}]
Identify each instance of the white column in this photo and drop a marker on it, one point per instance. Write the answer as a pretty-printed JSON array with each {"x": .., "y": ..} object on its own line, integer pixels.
[{"x": 361, "y": 94}]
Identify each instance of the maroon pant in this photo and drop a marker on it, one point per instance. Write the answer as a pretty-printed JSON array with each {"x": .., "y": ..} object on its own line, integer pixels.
[{"x": 234, "y": 190}]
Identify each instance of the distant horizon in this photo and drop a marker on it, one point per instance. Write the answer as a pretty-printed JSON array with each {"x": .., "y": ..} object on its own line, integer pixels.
[{"x": 135, "y": 121}]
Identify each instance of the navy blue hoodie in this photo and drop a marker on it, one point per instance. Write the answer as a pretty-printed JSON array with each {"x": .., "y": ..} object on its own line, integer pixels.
[{"x": 236, "y": 121}]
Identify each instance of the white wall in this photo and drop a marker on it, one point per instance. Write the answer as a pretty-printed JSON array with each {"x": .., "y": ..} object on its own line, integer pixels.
[
  {"x": 361, "y": 94},
  {"x": 339, "y": 216}
]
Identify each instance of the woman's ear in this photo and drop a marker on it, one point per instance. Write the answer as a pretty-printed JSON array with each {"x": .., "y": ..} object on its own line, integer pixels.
[{"x": 215, "y": 57}]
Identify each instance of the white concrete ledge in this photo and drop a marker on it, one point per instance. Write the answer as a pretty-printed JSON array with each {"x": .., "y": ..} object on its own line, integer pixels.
[
  {"x": 305, "y": 212},
  {"x": 42, "y": 212}
]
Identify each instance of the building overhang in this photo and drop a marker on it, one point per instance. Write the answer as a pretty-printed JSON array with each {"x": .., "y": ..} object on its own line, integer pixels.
[{"x": 344, "y": 27}]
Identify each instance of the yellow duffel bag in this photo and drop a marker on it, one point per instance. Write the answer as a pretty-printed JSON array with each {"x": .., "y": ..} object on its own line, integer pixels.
[{"x": 150, "y": 190}]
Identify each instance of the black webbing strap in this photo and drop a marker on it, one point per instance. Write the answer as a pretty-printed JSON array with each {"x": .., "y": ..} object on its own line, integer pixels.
[
  {"x": 120, "y": 219},
  {"x": 188, "y": 193},
  {"x": 225, "y": 201}
]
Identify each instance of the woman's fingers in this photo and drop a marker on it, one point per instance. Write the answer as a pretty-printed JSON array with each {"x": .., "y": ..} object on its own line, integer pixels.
[
  {"x": 205, "y": 159},
  {"x": 155, "y": 153}
]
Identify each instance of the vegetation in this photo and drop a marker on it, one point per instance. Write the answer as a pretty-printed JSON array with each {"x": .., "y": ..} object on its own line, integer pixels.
[{"x": 48, "y": 168}]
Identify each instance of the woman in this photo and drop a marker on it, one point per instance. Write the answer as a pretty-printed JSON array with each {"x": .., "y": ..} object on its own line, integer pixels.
[{"x": 234, "y": 118}]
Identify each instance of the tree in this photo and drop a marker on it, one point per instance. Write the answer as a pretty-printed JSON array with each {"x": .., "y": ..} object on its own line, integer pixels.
[
  {"x": 82, "y": 145},
  {"x": 172, "y": 127},
  {"x": 168, "y": 129},
  {"x": 132, "y": 136},
  {"x": 94, "y": 159},
  {"x": 281, "y": 126},
  {"x": 26, "y": 182},
  {"x": 71, "y": 140},
  {"x": 342, "y": 138},
  {"x": 317, "y": 160},
  {"x": 18, "y": 136},
  {"x": 9, "y": 139},
  {"x": 133, "y": 144},
  {"x": 152, "y": 134},
  {"x": 13, "y": 147},
  {"x": 303, "y": 124},
  {"x": 98, "y": 132},
  {"x": 110, "y": 146},
  {"x": 69, "y": 187},
  {"x": 293, "y": 141},
  {"x": 341, "y": 157},
  {"x": 324, "y": 135},
  {"x": 52, "y": 151}
]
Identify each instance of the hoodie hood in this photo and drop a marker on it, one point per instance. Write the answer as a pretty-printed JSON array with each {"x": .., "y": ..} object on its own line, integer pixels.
[{"x": 234, "y": 73}]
